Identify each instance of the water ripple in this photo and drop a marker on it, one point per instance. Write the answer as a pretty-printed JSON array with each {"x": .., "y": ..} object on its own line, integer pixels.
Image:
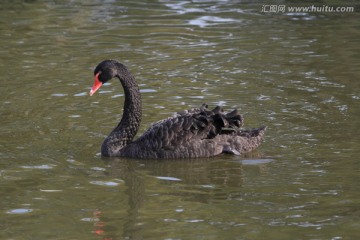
[
  {"x": 19, "y": 211},
  {"x": 168, "y": 178},
  {"x": 44, "y": 166},
  {"x": 105, "y": 183},
  {"x": 205, "y": 21}
]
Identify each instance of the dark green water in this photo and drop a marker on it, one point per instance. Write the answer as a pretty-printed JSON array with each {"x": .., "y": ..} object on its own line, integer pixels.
[{"x": 296, "y": 73}]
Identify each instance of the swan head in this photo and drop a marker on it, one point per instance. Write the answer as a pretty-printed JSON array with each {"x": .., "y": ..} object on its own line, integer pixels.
[{"x": 103, "y": 72}]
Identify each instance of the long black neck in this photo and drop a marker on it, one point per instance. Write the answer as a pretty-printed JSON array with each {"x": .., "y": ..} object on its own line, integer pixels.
[{"x": 129, "y": 124}]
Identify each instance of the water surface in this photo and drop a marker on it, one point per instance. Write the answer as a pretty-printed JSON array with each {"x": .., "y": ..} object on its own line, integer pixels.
[{"x": 296, "y": 73}]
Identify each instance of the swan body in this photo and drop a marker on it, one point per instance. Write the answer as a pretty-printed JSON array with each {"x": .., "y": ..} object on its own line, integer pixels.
[{"x": 193, "y": 133}]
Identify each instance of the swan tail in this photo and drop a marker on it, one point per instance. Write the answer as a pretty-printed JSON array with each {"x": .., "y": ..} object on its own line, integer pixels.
[
  {"x": 243, "y": 141},
  {"x": 225, "y": 129}
]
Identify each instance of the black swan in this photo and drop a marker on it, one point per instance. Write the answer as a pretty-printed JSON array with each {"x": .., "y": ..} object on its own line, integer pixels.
[{"x": 193, "y": 133}]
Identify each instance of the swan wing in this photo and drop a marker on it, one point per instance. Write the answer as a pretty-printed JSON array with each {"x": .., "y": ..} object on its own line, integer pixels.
[{"x": 197, "y": 132}]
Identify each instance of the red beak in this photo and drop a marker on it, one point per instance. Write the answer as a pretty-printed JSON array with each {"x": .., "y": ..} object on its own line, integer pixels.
[{"x": 97, "y": 84}]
